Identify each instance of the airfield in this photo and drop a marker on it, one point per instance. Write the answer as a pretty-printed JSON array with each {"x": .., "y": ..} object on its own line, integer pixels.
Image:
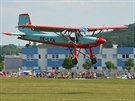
[{"x": 45, "y": 89}]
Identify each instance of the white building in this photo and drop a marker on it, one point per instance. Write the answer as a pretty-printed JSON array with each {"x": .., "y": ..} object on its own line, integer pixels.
[{"x": 52, "y": 58}]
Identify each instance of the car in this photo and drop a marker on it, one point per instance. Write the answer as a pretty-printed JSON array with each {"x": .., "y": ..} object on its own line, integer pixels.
[
  {"x": 2, "y": 74},
  {"x": 123, "y": 76}
]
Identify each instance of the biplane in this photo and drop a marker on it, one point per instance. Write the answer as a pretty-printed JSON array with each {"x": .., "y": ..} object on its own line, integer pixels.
[{"x": 71, "y": 37}]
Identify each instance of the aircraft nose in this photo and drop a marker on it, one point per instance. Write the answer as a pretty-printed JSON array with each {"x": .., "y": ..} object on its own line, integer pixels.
[{"x": 100, "y": 41}]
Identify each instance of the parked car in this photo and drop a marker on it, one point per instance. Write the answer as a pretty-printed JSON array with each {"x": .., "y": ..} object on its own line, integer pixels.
[{"x": 2, "y": 74}]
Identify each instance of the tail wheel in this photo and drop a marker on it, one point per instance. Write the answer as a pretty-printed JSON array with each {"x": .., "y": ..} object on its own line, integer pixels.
[
  {"x": 27, "y": 45},
  {"x": 94, "y": 61},
  {"x": 74, "y": 61}
]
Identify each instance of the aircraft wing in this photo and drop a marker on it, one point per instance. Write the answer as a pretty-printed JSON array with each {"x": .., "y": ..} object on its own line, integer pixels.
[
  {"x": 70, "y": 29},
  {"x": 14, "y": 34},
  {"x": 49, "y": 28},
  {"x": 106, "y": 28}
]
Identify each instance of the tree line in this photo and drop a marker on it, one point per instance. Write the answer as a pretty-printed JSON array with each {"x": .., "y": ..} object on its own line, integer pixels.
[
  {"x": 8, "y": 50},
  {"x": 121, "y": 37}
]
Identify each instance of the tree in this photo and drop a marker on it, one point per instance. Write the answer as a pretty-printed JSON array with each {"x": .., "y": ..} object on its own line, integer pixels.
[
  {"x": 1, "y": 66},
  {"x": 109, "y": 65},
  {"x": 1, "y": 58},
  {"x": 9, "y": 50},
  {"x": 134, "y": 67},
  {"x": 67, "y": 64},
  {"x": 129, "y": 64},
  {"x": 87, "y": 65}
]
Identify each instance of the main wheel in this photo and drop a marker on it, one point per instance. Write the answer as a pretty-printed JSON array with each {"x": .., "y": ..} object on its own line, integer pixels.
[
  {"x": 74, "y": 61},
  {"x": 94, "y": 61}
]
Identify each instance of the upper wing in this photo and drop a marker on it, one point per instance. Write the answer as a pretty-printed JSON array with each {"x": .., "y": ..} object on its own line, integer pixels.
[
  {"x": 106, "y": 28},
  {"x": 49, "y": 28},
  {"x": 70, "y": 29}
]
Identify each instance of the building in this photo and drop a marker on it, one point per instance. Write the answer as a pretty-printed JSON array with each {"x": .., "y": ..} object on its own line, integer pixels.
[
  {"x": 13, "y": 63},
  {"x": 34, "y": 59},
  {"x": 52, "y": 58}
]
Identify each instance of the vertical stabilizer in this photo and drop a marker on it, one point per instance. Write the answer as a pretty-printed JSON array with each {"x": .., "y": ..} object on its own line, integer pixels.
[{"x": 24, "y": 19}]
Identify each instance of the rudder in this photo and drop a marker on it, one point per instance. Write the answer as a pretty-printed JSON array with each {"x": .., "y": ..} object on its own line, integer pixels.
[{"x": 24, "y": 19}]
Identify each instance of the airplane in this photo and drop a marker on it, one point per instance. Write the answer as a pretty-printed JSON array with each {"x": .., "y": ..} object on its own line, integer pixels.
[{"x": 70, "y": 37}]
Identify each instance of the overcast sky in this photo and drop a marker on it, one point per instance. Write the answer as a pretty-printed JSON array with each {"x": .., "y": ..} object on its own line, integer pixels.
[{"x": 75, "y": 13}]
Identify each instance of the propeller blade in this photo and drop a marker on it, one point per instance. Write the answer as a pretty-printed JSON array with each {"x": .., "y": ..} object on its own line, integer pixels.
[{"x": 101, "y": 50}]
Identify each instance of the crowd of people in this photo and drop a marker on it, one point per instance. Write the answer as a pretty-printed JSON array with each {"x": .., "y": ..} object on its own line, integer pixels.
[
  {"x": 69, "y": 74},
  {"x": 58, "y": 74}
]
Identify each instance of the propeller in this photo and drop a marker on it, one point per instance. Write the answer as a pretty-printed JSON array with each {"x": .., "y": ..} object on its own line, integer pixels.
[
  {"x": 101, "y": 45},
  {"x": 101, "y": 50}
]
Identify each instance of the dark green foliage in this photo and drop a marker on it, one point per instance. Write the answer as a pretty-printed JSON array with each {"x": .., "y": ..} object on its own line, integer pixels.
[
  {"x": 1, "y": 66},
  {"x": 109, "y": 65},
  {"x": 67, "y": 64},
  {"x": 1, "y": 58},
  {"x": 87, "y": 65},
  {"x": 129, "y": 64},
  {"x": 122, "y": 37},
  {"x": 9, "y": 50}
]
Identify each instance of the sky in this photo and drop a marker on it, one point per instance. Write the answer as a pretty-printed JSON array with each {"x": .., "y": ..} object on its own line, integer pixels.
[{"x": 73, "y": 13}]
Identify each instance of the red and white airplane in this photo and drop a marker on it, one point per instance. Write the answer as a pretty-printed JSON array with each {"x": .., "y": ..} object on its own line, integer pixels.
[{"x": 70, "y": 37}]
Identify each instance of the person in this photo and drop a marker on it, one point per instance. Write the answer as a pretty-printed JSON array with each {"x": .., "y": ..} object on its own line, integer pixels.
[
  {"x": 56, "y": 72},
  {"x": 94, "y": 75},
  {"x": 30, "y": 74},
  {"x": 43, "y": 74},
  {"x": 40, "y": 74},
  {"x": 34, "y": 74},
  {"x": 62, "y": 75},
  {"x": 52, "y": 74},
  {"x": 37, "y": 74},
  {"x": 129, "y": 75},
  {"x": 72, "y": 74},
  {"x": 91, "y": 75}
]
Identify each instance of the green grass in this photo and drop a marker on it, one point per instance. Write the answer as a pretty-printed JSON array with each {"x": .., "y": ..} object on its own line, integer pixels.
[{"x": 40, "y": 89}]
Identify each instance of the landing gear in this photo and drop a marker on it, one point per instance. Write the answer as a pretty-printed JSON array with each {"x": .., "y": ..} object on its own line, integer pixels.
[
  {"x": 92, "y": 57},
  {"x": 28, "y": 45},
  {"x": 94, "y": 60},
  {"x": 74, "y": 61}
]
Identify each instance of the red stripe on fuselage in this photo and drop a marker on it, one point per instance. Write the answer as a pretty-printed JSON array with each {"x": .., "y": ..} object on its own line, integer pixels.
[{"x": 62, "y": 44}]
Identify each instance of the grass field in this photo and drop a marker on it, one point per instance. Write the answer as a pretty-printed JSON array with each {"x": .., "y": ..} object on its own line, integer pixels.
[{"x": 40, "y": 89}]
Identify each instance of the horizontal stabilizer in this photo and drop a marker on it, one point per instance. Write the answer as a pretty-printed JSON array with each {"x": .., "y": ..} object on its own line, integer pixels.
[{"x": 14, "y": 34}]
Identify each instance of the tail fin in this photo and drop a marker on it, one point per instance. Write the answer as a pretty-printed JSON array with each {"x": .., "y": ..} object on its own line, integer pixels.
[{"x": 24, "y": 19}]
